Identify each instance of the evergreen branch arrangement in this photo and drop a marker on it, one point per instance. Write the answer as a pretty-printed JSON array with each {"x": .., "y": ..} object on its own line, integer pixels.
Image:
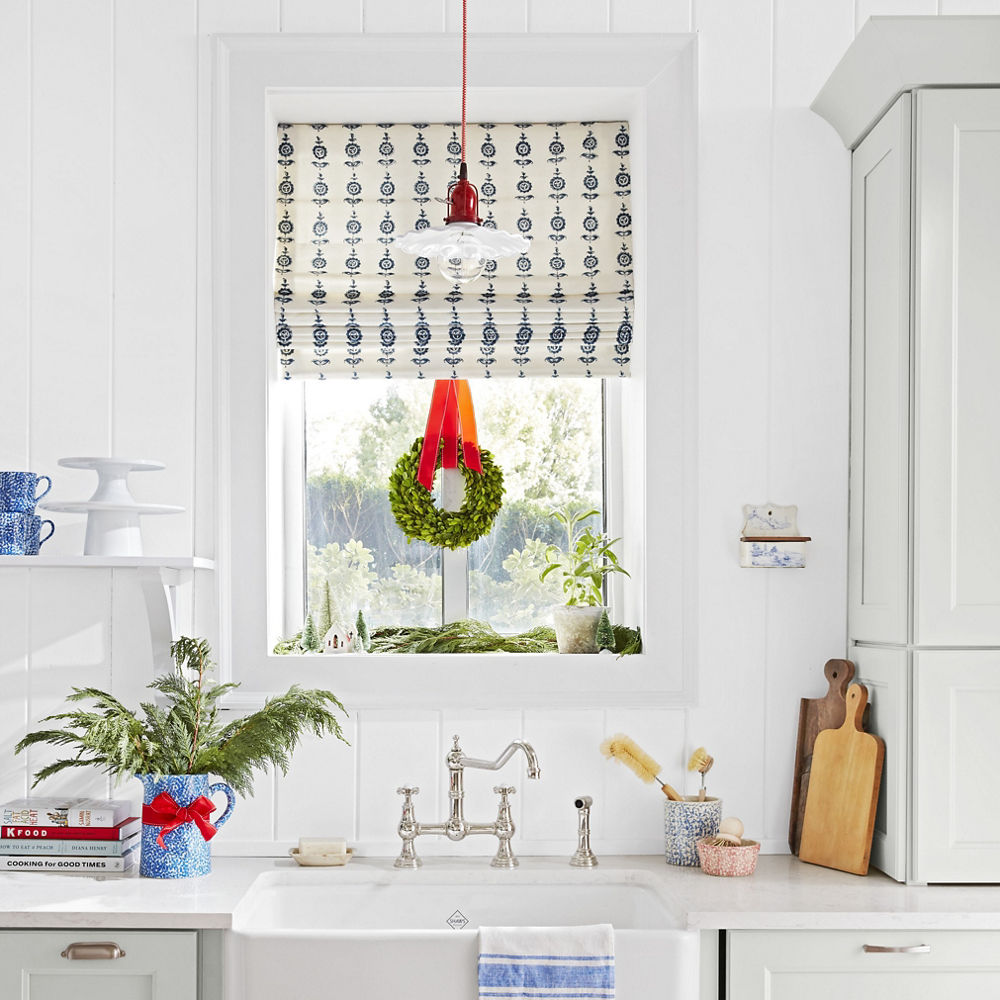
[
  {"x": 471, "y": 636},
  {"x": 188, "y": 736}
]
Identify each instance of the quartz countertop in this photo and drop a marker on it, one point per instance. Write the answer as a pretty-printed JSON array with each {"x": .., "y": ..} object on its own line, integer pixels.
[{"x": 783, "y": 893}]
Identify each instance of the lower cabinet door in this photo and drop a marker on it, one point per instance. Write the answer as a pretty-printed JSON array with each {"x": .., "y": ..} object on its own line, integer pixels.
[
  {"x": 863, "y": 965},
  {"x": 98, "y": 965}
]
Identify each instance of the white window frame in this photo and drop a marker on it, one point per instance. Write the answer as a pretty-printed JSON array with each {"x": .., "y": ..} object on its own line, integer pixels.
[{"x": 649, "y": 80}]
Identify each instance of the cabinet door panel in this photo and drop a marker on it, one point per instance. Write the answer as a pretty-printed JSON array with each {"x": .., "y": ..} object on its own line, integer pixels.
[
  {"x": 957, "y": 460},
  {"x": 156, "y": 964},
  {"x": 884, "y": 672},
  {"x": 956, "y": 705},
  {"x": 880, "y": 334},
  {"x": 833, "y": 965}
]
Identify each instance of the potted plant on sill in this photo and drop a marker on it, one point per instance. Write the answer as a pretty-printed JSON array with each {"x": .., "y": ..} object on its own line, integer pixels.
[
  {"x": 587, "y": 559},
  {"x": 173, "y": 749}
]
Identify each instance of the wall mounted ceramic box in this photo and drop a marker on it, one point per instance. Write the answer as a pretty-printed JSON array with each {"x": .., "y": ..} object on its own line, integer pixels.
[{"x": 771, "y": 538}]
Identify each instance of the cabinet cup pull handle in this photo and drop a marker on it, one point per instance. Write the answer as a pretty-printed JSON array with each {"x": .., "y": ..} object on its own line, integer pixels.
[
  {"x": 92, "y": 950},
  {"x": 896, "y": 949}
]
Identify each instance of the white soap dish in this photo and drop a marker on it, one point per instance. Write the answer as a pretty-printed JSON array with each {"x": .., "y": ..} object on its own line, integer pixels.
[{"x": 320, "y": 860}]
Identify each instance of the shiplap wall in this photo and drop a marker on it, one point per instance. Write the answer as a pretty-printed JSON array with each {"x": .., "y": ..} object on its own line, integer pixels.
[{"x": 106, "y": 335}]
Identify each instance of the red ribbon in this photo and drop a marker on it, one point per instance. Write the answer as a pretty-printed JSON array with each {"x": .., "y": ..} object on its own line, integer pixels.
[
  {"x": 449, "y": 418},
  {"x": 164, "y": 812}
]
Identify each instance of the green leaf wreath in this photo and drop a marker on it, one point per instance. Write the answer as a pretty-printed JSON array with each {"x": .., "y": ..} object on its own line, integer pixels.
[
  {"x": 187, "y": 737},
  {"x": 418, "y": 517}
]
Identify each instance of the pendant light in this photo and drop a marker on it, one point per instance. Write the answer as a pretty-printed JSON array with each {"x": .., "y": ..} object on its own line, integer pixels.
[{"x": 462, "y": 245}]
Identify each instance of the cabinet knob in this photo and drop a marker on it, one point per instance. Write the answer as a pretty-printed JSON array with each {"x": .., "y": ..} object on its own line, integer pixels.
[
  {"x": 896, "y": 949},
  {"x": 91, "y": 950}
]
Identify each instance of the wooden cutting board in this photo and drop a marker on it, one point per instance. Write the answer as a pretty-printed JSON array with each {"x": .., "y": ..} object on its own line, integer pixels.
[
  {"x": 843, "y": 792},
  {"x": 815, "y": 714}
]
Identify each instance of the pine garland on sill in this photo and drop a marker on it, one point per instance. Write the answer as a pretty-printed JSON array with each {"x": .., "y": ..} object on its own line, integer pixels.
[{"x": 469, "y": 636}]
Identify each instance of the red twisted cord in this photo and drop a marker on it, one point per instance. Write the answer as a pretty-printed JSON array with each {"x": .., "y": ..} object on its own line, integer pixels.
[{"x": 464, "y": 74}]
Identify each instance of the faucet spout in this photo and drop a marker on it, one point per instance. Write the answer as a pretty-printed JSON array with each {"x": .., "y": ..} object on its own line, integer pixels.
[{"x": 534, "y": 771}]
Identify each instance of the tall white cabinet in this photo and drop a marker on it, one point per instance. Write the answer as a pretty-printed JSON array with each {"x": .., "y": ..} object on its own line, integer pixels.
[{"x": 924, "y": 579}]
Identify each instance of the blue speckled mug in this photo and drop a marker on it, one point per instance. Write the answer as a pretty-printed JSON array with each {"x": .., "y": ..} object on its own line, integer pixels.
[
  {"x": 684, "y": 823},
  {"x": 13, "y": 533},
  {"x": 33, "y": 539},
  {"x": 18, "y": 491},
  {"x": 175, "y": 824}
]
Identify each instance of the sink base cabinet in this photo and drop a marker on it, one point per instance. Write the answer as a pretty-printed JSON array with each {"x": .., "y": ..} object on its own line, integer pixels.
[
  {"x": 832, "y": 965},
  {"x": 155, "y": 965}
]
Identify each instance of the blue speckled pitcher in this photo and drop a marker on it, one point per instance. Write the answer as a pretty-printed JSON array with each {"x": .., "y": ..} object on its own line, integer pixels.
[{"x": 183, "y": 851}]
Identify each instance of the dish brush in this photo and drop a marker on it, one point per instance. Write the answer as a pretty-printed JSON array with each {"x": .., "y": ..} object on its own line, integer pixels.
[
  {"x": 625, "y": 749},
  {"x": 701, "y": 762},
  {"x": 730, "y": 833}
]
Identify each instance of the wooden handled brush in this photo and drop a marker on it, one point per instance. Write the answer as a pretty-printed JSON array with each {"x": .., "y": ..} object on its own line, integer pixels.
[
  {"x": 625, "y": 749},
  {"x": 701, "y": 761}
]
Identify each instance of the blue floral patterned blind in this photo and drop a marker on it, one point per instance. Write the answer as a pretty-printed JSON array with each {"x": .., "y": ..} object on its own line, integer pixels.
[{"x": 348, "y": 304}]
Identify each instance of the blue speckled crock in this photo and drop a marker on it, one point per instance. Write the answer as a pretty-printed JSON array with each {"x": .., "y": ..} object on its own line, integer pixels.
[
  {"x": 684, "y": 822},
  {"x": 187, "y": 853}
]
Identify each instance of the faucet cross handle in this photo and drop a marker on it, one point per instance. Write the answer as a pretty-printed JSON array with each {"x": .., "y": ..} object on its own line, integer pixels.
[
  {"x": 504, "y": 790},
  {"x": 408, "y": 790}
]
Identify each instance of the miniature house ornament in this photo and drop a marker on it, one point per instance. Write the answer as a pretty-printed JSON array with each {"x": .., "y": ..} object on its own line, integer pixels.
[{"x": 771, "y": 538}]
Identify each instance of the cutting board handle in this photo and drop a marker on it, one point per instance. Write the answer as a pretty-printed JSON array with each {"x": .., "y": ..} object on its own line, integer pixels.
[
  {"x": 838, "y": 673},
  {"x": 857, "y": 702}
]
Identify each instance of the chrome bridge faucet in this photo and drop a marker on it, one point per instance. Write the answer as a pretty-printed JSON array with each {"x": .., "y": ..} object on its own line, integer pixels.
[{"x": 457, "y": 827}]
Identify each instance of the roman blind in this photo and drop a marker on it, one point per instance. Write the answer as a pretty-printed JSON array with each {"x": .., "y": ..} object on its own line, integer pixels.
[{"x": 350, "y": 305}]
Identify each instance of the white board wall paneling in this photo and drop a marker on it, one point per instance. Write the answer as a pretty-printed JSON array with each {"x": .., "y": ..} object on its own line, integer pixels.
[
  {"x": 406, "y": 15},
  {"x": 734, "y": 218},
  {"x": 334, "y": 16},
  {"x": 71, "y": 251},
  {"x": 250, "y": 830},
  {"x": 957, "y": 463},
  {"x": 218, "y": 16},
  {"x": 969, "y": 6},
  {"x": 487, "y": 18},
  {"x": 15, "y": 251},
  {"x": 14, "y": 654},
  {"x": 567, "y": 744},
  {"x": 885, "y": 672},
  {"x": 69, "y": 611},
  {"x": 556, "y": 16},
  {"x": 956, "y": 702},
  {"x": 627, "y": 815},
  {"x": 131, "y": 658},
  {"x": 318, "y": 796},
  {"x": 155, "y": 258},
  {"x": 865, "y": 9},
  {"x": 396, "y": 748},
  {"x": 878, "y": 540},
  {"x": 651, "y": 15},
  {"x": 810, "y": 36}
]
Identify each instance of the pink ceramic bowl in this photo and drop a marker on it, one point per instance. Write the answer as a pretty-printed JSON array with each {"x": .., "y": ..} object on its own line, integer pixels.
[{"x": 728, "y": 860}]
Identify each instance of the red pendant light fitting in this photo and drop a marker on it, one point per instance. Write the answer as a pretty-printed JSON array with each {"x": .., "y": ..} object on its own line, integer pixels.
[{"x": 463, "y": 245}]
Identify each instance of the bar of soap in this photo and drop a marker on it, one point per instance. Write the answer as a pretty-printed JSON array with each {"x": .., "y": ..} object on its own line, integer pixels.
[{"x": 322, "y": 845}]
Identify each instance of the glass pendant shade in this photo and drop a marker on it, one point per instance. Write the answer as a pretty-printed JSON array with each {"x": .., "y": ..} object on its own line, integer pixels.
[{"x": 463, "y": 248}]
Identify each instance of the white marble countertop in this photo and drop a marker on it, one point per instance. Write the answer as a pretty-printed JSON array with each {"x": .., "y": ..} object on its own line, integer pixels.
[{"x": 783, "y": 893}]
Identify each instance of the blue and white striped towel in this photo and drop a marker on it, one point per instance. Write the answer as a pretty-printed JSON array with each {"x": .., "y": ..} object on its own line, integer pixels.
[{"x": 547, "y": 963}]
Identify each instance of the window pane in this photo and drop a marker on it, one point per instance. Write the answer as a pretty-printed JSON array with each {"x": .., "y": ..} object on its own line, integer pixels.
[
  {"x": 547, "y": 437},
  {"x": 355, "y": 433}
]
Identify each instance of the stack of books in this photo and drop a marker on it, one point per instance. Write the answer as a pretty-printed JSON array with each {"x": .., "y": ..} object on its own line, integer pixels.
[{"x": 68, "y": 835}]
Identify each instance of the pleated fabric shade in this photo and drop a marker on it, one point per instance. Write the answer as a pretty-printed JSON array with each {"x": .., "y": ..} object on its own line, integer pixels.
[{"x": 348, "y": 304}]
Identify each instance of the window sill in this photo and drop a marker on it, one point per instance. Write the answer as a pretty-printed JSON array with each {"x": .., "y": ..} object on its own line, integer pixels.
[{"x": 474, "y": 680}]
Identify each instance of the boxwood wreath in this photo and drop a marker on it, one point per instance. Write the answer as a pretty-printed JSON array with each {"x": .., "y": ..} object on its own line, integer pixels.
[{"x": 417, "y": 516}]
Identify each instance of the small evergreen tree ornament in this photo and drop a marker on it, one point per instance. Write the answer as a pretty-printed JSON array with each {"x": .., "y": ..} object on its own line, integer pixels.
[
  {"x": 325, "y": 612},
  {"x": 310, "y": 641},
  {"x": 361, "y": 630},
  {"x": 605, "y": 633}
]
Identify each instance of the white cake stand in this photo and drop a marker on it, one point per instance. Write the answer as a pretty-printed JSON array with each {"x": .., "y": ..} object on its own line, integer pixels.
[{"x": 112, "y": 513}]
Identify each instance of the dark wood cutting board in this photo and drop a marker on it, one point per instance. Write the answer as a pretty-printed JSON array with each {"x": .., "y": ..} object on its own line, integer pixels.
[
  {"x": 815, "y": 714},
  {"x": 843, "y": 792}
]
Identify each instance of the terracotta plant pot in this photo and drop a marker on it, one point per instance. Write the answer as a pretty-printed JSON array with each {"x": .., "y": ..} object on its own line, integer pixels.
[{"x": 576, "y": 627}]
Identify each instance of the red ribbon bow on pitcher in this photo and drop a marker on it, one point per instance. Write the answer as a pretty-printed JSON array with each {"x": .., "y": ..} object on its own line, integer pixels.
[{"x": 164, "y": 812}]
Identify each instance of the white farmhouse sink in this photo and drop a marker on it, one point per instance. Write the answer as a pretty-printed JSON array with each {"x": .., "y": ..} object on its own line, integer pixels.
[{"x": 377, "y": 935}]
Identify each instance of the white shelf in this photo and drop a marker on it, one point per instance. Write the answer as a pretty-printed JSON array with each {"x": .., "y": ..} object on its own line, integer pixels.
[{"x": 109, "y": 562}]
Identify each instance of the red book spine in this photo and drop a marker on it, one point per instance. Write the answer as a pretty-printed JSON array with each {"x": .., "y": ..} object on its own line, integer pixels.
[{"x": 124, "y": 829}]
